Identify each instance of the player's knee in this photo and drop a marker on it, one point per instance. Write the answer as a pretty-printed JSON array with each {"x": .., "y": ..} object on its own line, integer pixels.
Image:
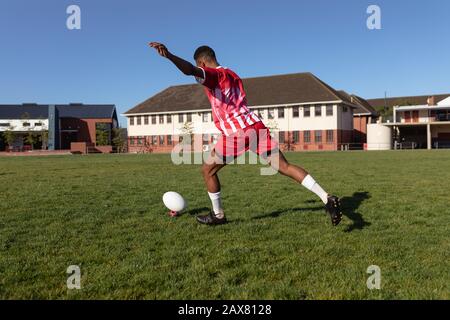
[
  {"x": 283, "y": 166},
  {"x": 207, "y": 170}
]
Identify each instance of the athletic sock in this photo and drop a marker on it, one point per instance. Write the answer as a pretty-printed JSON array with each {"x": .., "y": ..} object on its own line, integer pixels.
[
  {"x": 310, "y": 184},
  {"x": 216, "y": 204}
]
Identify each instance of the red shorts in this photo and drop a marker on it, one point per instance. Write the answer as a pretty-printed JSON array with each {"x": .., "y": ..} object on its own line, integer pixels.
[{"x": 255, "y": 138}]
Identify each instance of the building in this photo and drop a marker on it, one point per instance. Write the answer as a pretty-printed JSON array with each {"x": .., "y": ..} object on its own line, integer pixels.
[
  {"x": 422, "y": 126},
  {"x": 60, "y": 127},
  {"x": 307, "y": 114}
]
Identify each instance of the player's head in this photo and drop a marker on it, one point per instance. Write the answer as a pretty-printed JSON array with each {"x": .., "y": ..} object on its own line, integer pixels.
[{"x": 204, "y": 56}]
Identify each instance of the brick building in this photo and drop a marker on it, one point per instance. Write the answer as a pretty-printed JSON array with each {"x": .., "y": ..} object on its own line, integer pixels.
[{"x": 305, "y": 112}]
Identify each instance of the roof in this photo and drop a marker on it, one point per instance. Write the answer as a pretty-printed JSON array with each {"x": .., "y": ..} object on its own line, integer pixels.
[
  {"x": 35, "y": 111},
  {"x": 86, "y": 111},
  {"x": 402, "y": 101},
  {"x": 32, "y": 111},
  {"x": 422, "y": 107},
  {"x": 364, "y": 106},
  {"x": 261, "y": 91}
]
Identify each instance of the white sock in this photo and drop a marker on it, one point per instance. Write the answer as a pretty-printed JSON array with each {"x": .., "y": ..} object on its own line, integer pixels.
[
  {"x": 216, "y": 204},
  {"x": 310, "y": 184}
]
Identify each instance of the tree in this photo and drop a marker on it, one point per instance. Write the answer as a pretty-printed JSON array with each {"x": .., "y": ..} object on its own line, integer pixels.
[
  {"x": 102, "y": 134},
  {"x": 31, "y": 138},
  {"x": 187, "y": 130},
  {"x": 9, "y": 136},
  {"x": 119, "y": 139},
  {"x": 43, "y": 138}
]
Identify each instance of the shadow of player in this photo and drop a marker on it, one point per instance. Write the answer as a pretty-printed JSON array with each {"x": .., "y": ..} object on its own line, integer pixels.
[
  {"x": 278, "y": 213},
  {"x": 350, "y": 206}
]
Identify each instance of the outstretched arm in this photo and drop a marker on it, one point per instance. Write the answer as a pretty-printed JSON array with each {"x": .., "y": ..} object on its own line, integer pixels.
[{"x": 184, "y": 66}]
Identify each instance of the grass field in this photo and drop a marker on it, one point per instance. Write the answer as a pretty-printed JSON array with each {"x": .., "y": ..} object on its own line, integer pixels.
[{"x": 104, "y": 213}]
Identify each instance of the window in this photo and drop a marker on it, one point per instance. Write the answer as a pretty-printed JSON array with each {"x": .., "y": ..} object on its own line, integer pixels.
[
  {"x": 38, "y": 124},
  {"x": 295, "y": 112},
  {"x": 154, "y": 140},
  {"x": 131, "y": 121},
  {"x": 318, "y": 111},
  {"x": 180, "y": 139},
  {"x": 280, "y": 113},
  {"x": 169, "y": 140},
  {"x": 4, "y": 124},
  {"x": 270, "y": 113},
  {"x": 132, "y": 140},
  {"x": 329, "y": 110},
  {"x": 260, "y": 114},
  {"x": 161, "y": 140},
  {"x": 153, "y": 119},
  {"x": 169, "y": 118},
  {"x": 161, "y": 119},
  {"x": 318, "y": 136},
  {"x": 139, "y": 121},
  {"x": 307, "y": 136},
  {"x": 295, "y": 137},
  {"x": 205, "y": 139},
  {"x": 306, "y": 112},
  {"x": 146, "y": 120},
  {"x": 139, "y": 140},
  {"x": 189, "y": 117},
  {"x": 281, "y": 136},
  {"x": 205, "y": 116},
  {"x": 181, "y": 118},
  {"x": 330, "y": 136}
]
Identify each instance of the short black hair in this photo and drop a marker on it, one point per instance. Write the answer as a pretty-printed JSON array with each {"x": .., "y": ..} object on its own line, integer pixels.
[{"x": 205, "y": 52}]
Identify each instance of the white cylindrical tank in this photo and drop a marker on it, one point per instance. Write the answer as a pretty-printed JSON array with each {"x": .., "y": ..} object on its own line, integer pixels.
[{"x": 379, "y": 137}]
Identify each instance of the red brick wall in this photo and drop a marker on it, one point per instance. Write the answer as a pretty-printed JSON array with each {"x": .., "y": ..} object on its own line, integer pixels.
[
  {"x": 360, "y": 128},
  {"x": 339, "y": 137},
  {"x": 86, "y": 128}
]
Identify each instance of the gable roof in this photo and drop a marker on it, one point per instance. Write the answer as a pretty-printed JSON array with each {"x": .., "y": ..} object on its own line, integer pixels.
[
  {"x": 35, "y": 111},
  {"x": 364, "y": 106},
  {"x": 261, "y": 91}
]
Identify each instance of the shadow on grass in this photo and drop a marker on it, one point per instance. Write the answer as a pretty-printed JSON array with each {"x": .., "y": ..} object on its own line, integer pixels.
[
  {"x": 350, "y": 206},
  {"x": 278, "y": 213},
  {"x": 197, "y": 211}
]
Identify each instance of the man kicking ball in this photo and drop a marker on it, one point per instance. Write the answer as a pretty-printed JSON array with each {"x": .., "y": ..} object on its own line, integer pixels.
[{"x": 241, "y": 129}]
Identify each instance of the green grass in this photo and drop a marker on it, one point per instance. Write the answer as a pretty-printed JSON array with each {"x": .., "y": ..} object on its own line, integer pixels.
[{"x": 105, "y": 214}]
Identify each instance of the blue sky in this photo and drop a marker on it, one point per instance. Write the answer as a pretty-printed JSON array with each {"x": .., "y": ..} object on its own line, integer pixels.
[{"x": 108, "y": 60}]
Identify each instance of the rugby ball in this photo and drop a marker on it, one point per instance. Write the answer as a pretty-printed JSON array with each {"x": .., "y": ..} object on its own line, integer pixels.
[{"x": 174, "y": 201}]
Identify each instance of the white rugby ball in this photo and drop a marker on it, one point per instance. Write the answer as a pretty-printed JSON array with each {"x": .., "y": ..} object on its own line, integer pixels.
[{"x": 174, "y": 201}]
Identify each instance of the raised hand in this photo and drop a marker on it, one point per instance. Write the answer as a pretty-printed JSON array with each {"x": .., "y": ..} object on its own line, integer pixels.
[{"x": 162, "y": 49}]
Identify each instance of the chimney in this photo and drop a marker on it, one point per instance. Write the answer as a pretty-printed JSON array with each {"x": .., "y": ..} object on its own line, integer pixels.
[{"x": 431, "y": 101}]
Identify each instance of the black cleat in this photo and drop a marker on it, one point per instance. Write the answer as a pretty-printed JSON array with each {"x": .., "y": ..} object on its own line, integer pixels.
[
  {"x": 211, "y": 220},
  {"x": 333, "y": 208}
]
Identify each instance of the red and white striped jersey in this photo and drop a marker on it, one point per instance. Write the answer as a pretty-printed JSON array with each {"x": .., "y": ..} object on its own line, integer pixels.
[{"x": 226, "y": 94}]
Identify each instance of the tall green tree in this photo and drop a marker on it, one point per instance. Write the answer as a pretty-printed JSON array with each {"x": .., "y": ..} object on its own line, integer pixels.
[
  {"x": 102, "y": 134},
  {"x": 119, "y": 139}
]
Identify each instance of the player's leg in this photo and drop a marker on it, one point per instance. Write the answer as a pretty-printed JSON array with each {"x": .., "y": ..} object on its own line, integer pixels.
[
  {"x": 209, "y": 170},
  {"x": 332, "y": 203}
]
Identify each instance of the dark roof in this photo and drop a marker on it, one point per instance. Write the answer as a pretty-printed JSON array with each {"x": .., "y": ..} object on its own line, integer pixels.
[
  {"x": 35, "y": 111},
  {"x": 271, "y": 90},
  {"x": 363, "y": 106},
  {"x": 86, "y": 111},
  {"x": 405, "y": 101}
]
